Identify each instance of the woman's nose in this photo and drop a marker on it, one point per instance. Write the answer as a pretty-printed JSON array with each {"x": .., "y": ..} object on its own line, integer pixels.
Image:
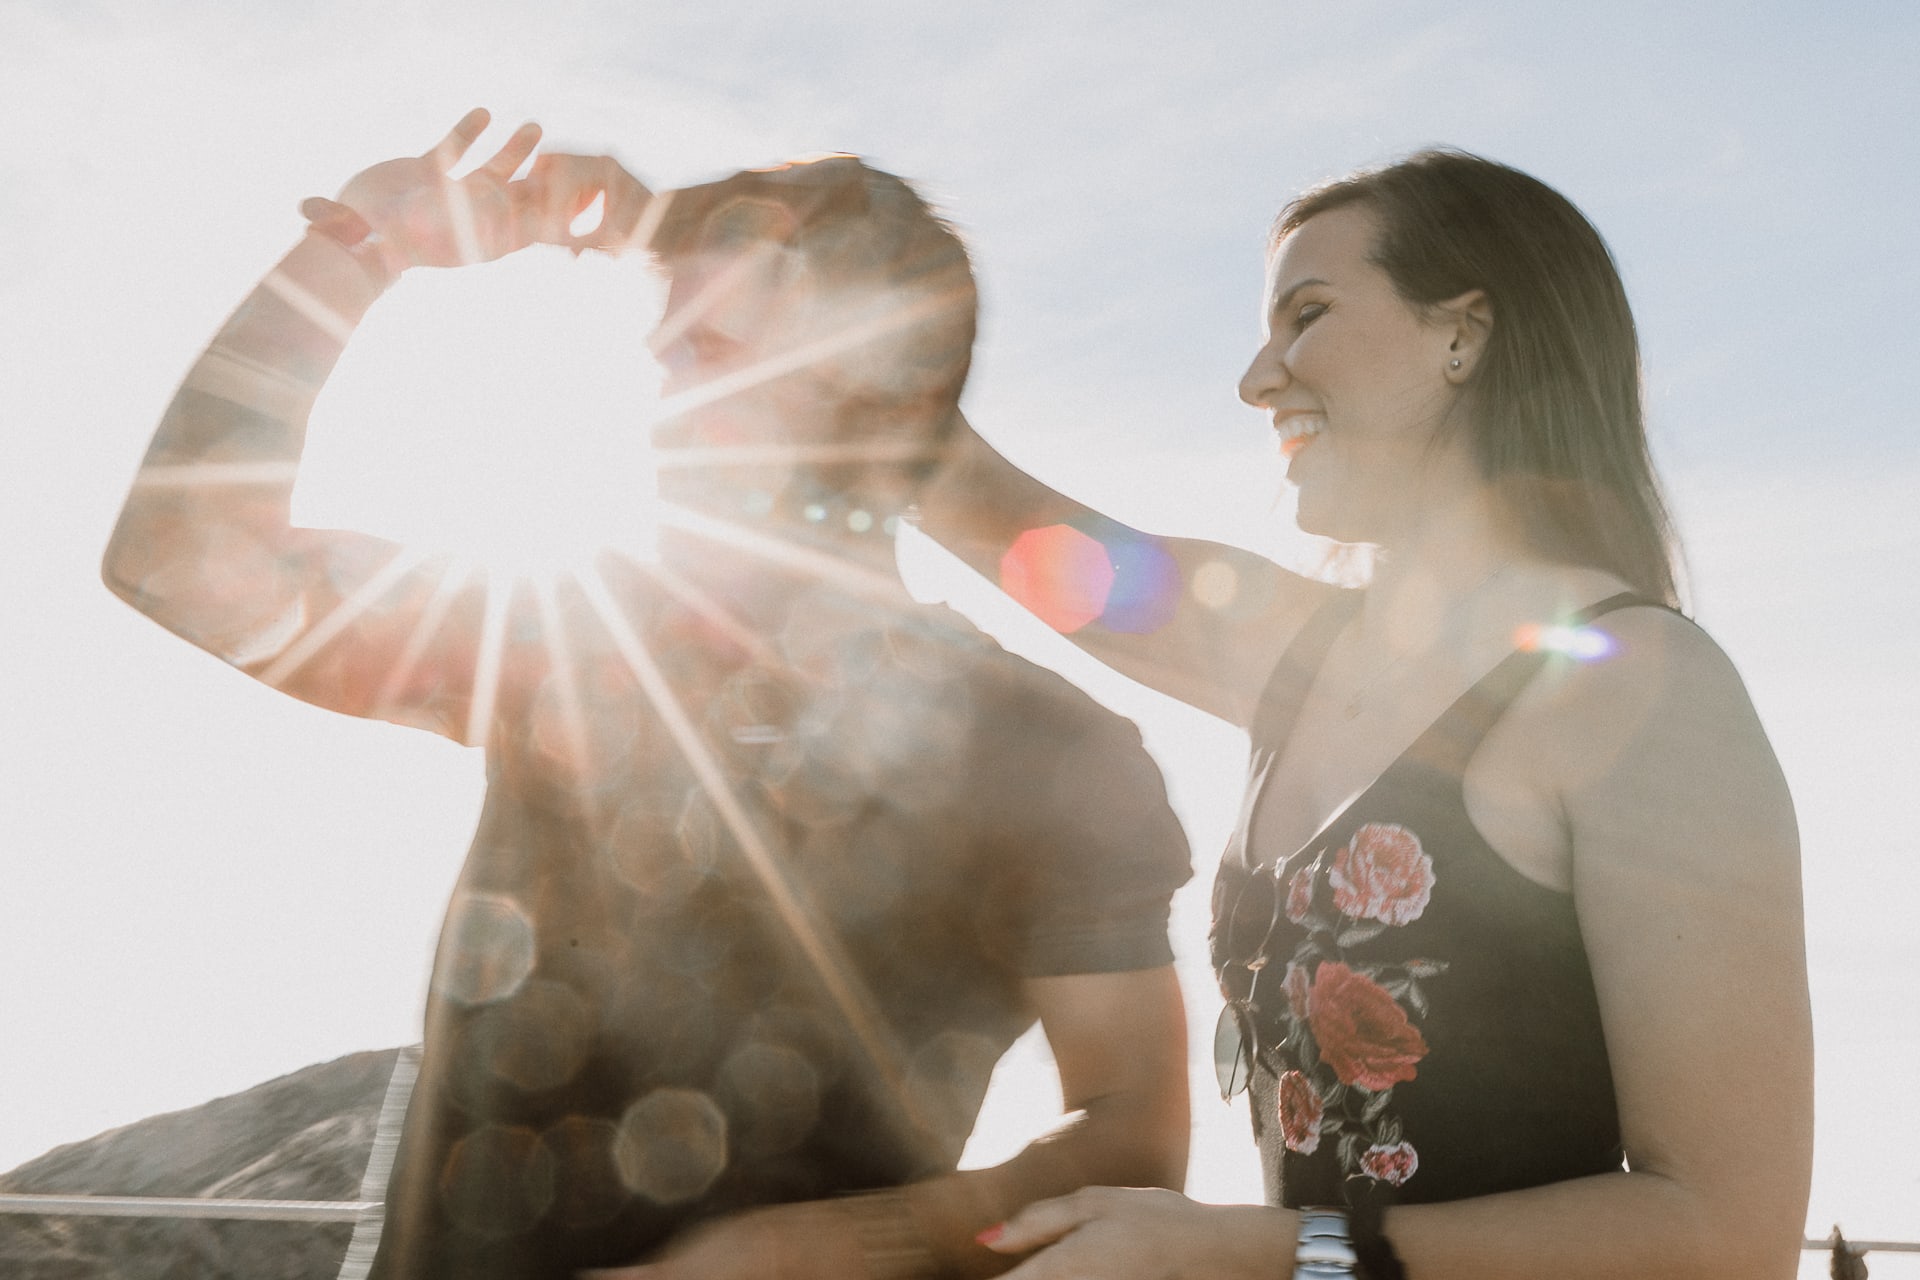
[{"x": 1264, "y": 377}]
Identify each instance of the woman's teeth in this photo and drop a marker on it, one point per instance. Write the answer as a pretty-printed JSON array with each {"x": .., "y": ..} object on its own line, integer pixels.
[{"x": 1297, "y": 430}]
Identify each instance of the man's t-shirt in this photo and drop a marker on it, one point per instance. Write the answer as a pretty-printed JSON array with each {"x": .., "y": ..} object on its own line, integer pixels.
[{"x": 746, "y": 920}]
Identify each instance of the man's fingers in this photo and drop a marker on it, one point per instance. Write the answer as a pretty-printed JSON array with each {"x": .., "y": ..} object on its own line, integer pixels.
[
  {"x": 446, "y": 153},
  {"x": 1042, "y": 1223},
  {"x": 560, "y": 187},
  {"x": 627, "y": 200},
  {"x": 543, "y": 200},
  {"x": 517, "y": 149}
]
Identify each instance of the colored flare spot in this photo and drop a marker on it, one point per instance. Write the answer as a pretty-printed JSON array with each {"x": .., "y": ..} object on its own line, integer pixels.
[
  {"x": 1146, "y": 585},
  {"x": 1069, "y": 577},
  {"x": 1582, "y": 644},
  {"x": 1215, "y": 584},
  {"x": 1059, "y": 574},
  {"x": 487, "y": 951}
]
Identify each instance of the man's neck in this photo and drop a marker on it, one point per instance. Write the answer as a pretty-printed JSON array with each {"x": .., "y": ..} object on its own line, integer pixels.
[{"x": 757, "y": 568}]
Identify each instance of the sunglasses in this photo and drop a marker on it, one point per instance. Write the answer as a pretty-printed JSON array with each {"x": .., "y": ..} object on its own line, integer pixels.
[{"x": 1236, "y": 1040}]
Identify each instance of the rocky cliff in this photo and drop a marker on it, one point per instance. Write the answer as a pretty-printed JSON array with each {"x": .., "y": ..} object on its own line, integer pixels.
[{"x": 304, "y": 1136}]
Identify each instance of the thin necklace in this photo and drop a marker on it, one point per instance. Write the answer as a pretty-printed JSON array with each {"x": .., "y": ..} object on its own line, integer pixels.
[{"x": 1357, "y": 701}]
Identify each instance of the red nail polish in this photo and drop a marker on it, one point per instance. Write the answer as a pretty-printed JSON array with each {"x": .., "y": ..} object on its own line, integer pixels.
[{"x": 992, "y": 1233}]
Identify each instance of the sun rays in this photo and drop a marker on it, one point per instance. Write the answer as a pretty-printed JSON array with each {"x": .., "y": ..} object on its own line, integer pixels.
[
  {"x": 847, "y": 991},
  {"x": 463, "y": 619}
]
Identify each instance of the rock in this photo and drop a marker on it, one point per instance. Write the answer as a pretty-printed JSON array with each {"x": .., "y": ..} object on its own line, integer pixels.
[{"x": 304, "y": 1136}]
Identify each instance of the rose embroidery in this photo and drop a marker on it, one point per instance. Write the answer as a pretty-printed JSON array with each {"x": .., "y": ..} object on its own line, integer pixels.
[
  {"x": 1382, "y": 874},
  {"x": 1362, "y": 1032},
  {"x": 1301, "y": 1110},
  {"x": 1297, "y": 985},
  {"x": 1391, "y": 1164},
  {"x": 1345, "y": 1036},
  {"x": 1300, "y": 894}
]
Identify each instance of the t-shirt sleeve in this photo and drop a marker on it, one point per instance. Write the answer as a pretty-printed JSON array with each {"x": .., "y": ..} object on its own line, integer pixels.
[{"x": 1082, "y": 813}]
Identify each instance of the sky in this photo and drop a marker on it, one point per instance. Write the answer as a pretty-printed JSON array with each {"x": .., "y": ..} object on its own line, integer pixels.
[{"x": 203, "y": 884}]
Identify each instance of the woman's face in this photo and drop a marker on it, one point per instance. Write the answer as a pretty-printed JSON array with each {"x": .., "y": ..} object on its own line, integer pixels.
[{"x": 1357, "y": 381}]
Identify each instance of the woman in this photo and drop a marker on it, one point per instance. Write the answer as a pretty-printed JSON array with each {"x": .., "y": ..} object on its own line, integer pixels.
[{"x": 1510, "y": 930}]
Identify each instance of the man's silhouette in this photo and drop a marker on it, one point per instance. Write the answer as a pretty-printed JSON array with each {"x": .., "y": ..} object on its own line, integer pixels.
[{"x": 774, "y": 863}]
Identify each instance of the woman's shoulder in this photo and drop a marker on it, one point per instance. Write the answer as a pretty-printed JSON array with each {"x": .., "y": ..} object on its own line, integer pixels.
[
  {"x": 1603, "y": 639},
  {"x": 1626, "y": 679},
  {"x": 1649, "y": 662},
  {"x": 1653, "y": 735}
]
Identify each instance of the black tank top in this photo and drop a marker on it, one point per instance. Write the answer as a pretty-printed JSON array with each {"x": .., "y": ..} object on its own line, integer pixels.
[{"x": 1425, "y": 1019}]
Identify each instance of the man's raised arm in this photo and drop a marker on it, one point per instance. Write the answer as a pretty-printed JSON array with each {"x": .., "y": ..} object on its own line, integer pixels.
[{"x": 205, "y": 545}]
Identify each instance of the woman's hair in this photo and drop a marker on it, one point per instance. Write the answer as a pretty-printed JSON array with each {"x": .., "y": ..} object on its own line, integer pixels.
[{"x": 1557, "y": 423}]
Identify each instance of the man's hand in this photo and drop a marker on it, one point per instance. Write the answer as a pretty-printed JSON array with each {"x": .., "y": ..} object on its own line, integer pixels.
[
  {"x": 560, "y": 187},
  {"x": 422, "y": 217},
  {"x": 819, "y": 1240},
  {"x": 1114, "y": 1233}
]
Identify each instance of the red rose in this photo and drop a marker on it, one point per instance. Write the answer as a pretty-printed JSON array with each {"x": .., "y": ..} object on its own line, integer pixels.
[
  {"x": 1300, "y": 894},
  {"x": 1394, "y": 1164},
  {"x": 1363, "y": 1035},
  {"x": 1382, "y": 875},
  {"x": 1300, "y": 1112},
  {"x": 1297, "y": 985}
]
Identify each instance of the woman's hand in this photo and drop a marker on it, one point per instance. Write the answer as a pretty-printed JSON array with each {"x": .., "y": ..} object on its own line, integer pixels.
[
  {"x": 422, "y": 217},
  {"x": 1114, "y": 1233}
]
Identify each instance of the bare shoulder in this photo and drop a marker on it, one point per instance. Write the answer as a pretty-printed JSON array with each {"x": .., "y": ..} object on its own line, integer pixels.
[{"x": 1662, "y": 754}]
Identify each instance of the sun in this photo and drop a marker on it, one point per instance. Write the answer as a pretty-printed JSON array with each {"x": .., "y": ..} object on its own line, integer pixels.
[{"x": 498, "y": 412}]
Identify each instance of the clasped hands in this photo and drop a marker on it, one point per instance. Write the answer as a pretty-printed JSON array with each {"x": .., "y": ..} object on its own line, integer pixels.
[{"x": 421, "y": 215}]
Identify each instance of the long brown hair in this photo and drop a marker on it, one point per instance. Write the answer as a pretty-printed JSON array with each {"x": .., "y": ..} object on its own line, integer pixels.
[{"x": 1557, "y": 423}]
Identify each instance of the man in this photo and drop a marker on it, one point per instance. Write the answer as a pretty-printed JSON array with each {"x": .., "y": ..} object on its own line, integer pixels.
[{"x": 774, "y": 863}]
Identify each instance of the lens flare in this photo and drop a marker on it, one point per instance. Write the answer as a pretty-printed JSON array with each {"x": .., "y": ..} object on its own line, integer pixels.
[
  {"x": 1216, "y": 584},
  {"x": 1146, "y": 585},
  {"x": 671, "y": 1145},
  {"x": 1068, "y": 577},
  {"x": 488, "y": 949},
  {"x": 1582, "y": 644},
  {"x": 1059, "y": 574}
]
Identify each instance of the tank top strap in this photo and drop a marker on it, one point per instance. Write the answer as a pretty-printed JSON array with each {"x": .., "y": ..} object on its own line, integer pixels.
[
  {"x": 1449, "y": 743},
  {"x": 1293, "y": 675}
]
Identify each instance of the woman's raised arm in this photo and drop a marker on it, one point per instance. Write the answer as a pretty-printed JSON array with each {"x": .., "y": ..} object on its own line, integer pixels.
[{"x": 1205, "y": 622}]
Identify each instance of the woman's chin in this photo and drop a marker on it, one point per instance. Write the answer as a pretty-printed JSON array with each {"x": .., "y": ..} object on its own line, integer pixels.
[
  {"x": 1314, "y": 516},
  {"x": 1313, "y": 519}
]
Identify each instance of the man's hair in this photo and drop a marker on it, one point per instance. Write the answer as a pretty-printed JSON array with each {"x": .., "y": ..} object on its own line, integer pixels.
[
  {"x": 856, "y": 232},
  {"x": 1556, "y": 421}
]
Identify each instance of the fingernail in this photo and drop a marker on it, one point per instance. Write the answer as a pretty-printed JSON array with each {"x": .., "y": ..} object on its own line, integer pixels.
[{"x": 992, "y": 1234}]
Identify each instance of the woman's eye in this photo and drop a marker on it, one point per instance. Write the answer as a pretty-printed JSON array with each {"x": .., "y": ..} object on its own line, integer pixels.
[{"x": 1308, "y": 314}]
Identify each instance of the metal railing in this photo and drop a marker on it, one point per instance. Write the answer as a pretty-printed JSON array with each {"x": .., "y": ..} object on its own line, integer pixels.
[
  {"x": 367, "y": 1213},
  {"x": 187, "y": 1207}
]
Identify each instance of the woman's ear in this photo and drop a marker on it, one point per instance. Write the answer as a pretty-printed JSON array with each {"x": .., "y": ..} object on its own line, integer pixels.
[{"x": 1469, "y": 320}]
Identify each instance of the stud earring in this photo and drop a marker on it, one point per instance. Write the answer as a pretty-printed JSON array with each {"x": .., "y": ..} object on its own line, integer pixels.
[{"x": 1454, "y": 363}]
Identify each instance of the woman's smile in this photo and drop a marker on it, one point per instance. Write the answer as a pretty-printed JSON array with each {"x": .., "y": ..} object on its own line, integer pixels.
[{"x": 1297, "y": 427}]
